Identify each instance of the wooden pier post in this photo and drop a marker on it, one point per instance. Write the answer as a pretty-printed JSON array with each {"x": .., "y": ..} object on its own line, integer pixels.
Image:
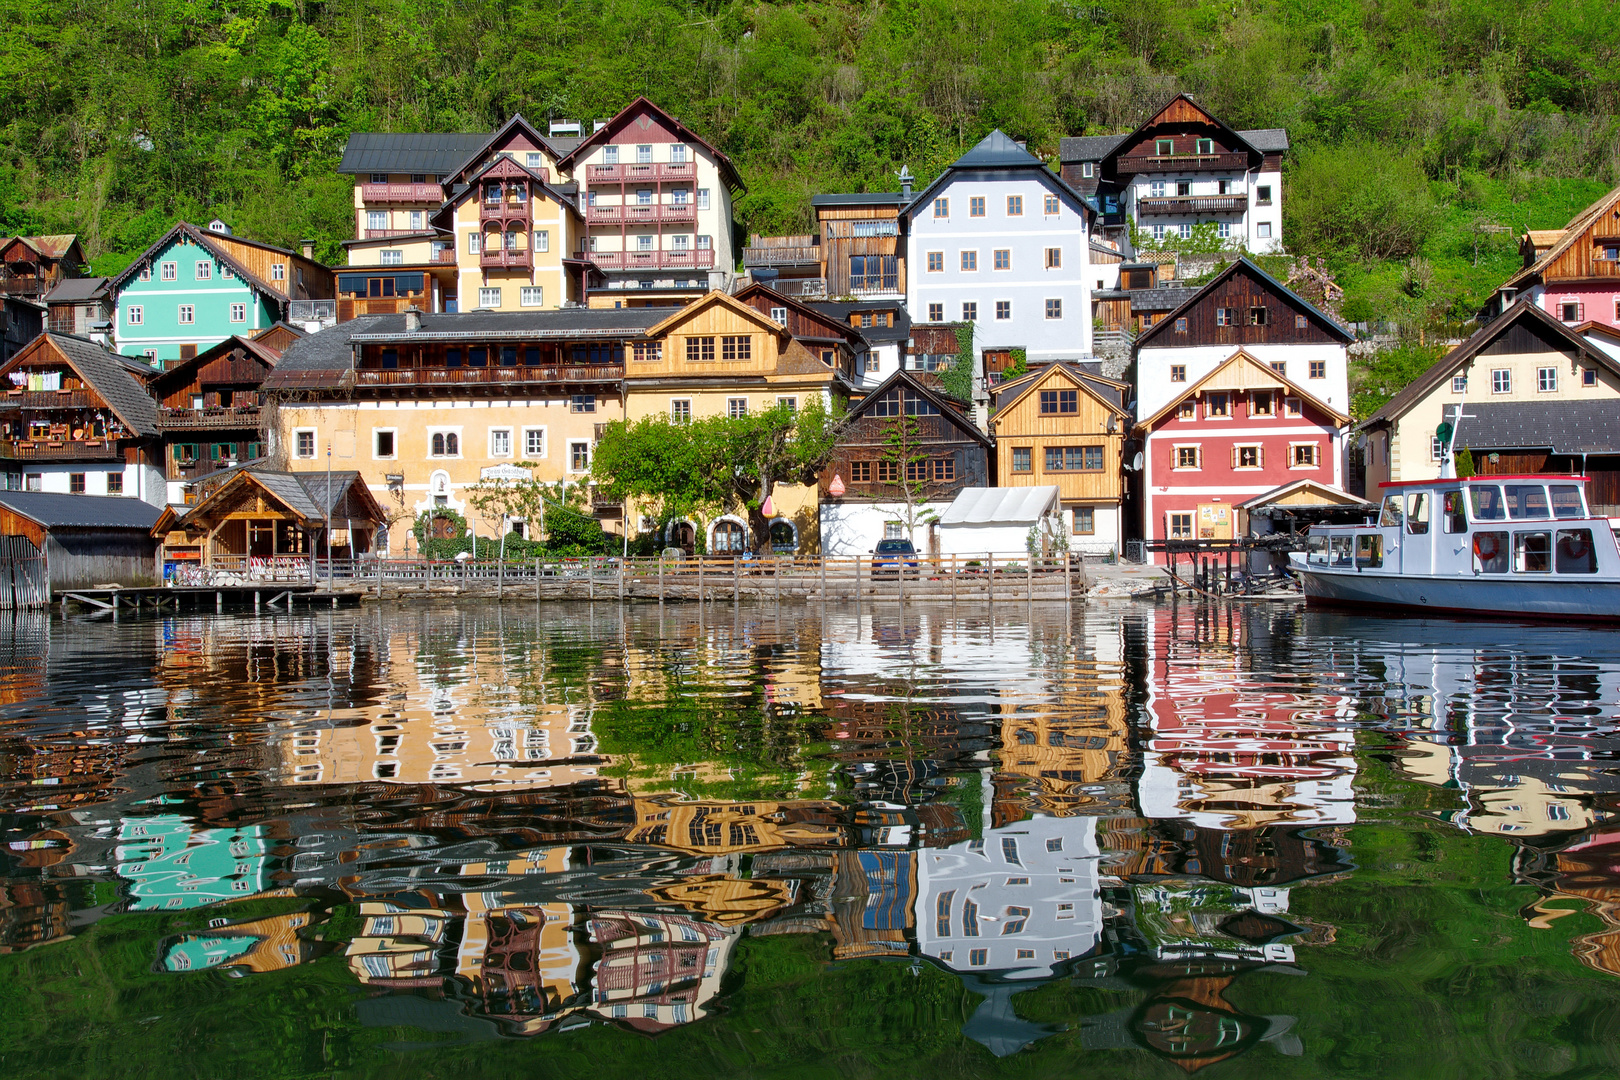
[
  {"x": 990, "y": 582},
  {"x": 219, "y": 602},
  {"x": 736, "y": 581},
  {"x": 700, "y": 580},
  {"x": 660, "y": 578}
]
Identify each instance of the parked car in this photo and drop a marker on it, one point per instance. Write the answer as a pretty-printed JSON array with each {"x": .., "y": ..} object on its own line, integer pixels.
[{"x": 893, "y": 557}]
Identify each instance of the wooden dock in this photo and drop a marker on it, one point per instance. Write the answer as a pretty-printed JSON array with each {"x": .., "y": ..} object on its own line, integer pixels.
[{"x": 271, "y": 596}]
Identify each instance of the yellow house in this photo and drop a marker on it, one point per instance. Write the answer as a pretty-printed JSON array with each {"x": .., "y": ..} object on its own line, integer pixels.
[
  {"x": 511, "y": 233},
  {"x": 1063, "y": 425},
  {"x": 720, "y": 356}
]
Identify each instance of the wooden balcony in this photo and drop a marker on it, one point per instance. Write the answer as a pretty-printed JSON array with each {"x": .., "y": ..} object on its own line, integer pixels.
[
  {"x": 552, "y": 374},
  {"x": 700, "y": 259},
  {"x": 630, "y": 174},
  {"x": 215, "y": 419},
  {"x": 444, "y": 255},
  {"x": 61, "y": 450},
  {"x": 1195, "y": 204},
  {"x": 54, "y": 399},
  {"x": 385, "y": 234},
  {"x": 1146, "y": 163},
  {"x": 507, "y": 209},
  {"x": 766, "y": 255},
  {"x": 639, "y": 214},
  {"x": 401, "y": 193},
  {"x": 24, "y": 286},
  {"x": 519, "y": 259}
]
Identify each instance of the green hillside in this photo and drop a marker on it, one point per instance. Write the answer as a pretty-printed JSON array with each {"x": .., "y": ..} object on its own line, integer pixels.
[{"x": 1414, "y": 123}]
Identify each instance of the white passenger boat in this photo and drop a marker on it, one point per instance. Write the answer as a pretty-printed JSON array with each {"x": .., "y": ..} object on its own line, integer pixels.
[{"x": 1514, "y": 546}]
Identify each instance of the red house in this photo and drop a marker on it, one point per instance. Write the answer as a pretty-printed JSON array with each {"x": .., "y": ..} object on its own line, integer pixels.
[{"x": 1242, "y": 430}]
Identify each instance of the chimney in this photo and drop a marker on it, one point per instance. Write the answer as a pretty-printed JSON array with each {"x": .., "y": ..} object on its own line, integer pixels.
[
  {"x": 905, "y": 183},
  {"x": 413, "y": 319},
  {"x": 309, "y": 249}
]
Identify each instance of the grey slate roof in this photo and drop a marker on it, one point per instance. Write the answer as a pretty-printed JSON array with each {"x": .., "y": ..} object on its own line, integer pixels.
[
  {"x": 996, "y": 151},
  {"x": 115, "y": 378},
  {"x": 1096, "y": 147},
  {"x": 1165, "y": 299},
  {"x": 1561, "y": 427},
  {"x": 71, "y": 290},
  {"x": 56, "y": 511},
  {"x": 436, "y": 153},
  {"x": 866, "y": 198},
  {"x": 317, "y": 359},
  {"x": 840, "y": 310}
]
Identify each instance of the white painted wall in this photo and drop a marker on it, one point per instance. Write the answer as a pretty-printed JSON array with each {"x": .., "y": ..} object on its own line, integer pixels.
[
  {"x": 1105, "y": 537},
  {"x": 1246, "y": 226},
  {"x": 849, "y": 529},
  {"x": 1154, "y": 390},
  {"x": 144, "y": 482}
]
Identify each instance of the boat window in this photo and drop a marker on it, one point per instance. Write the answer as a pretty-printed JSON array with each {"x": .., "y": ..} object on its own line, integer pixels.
[
  {"x": 1566, "y": 501},
  {"x": 1417, "y": 512},
  {"x": 1370, "y": 549},
  {"x": 1532, "y": 552},
  {"x": 1392, "y": 512},
  {"x": 1455, "y": 517},
  {"x": 1487, "y": 500},
  {"x": 1575, "y": 553},
  {"x": 1316, "y": 549},
  {"x": 1527, "y": 501},
  {"x": 1491, "y": 552},
  {"x": 1341, "y": 547}
]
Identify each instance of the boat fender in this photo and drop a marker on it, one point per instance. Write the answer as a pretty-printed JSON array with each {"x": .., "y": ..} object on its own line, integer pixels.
[
  {"x": 1572, "y": 548},
  {"x": 1485, "y": 546}
]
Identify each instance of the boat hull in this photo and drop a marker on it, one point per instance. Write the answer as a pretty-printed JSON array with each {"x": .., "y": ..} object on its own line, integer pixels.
[{"x": 1479, "y": 597}]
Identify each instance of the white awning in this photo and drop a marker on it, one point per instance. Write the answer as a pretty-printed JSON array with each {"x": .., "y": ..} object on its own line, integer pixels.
[{"x": 1001, "y": 506}]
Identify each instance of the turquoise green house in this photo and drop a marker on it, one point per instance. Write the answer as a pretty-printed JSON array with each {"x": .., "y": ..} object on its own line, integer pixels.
[
  {"x": 168, "y": 864},
  {"x": 197, "y": 286}
]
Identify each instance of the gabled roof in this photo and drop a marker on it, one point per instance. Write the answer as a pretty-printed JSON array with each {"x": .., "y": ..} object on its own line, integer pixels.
[
  {"x": 310, "y": 495},
  {"x": 77, "y": 290},
  {"x": 1329, "y": 493},
  {"x": 434, "y": 153},
  {"x": 501, "y": 167},
  {"x": 116, "y": 379},
  {"x": 1243, "y": 263},
  {"x": 846, "y": 331},
  {"x": 1260, "y": 377},
  {"x": 714, "y": 296},
  {"x": 53, "y": 246},
  {"x": 54, "y": 511},
  {"x": 1096, "y": 147},
  {"x": 1210, "y": 118},
  {"x": 1107, "y": 391},
  {"x": 514, "y": 123},
  {"x": 209, "y": 242},
  {"x": 1559, "y": 427},
  {"x": 1443, "y": 368},
  {"x": 947, "y": 408},
  {"x": 172, "y": 377},
  {"x": 1592, "y": 328},
  {"x": 728, "y": 171},
  {"x": 997, "y": 151},
  {"x": 1578, "y": 227}
]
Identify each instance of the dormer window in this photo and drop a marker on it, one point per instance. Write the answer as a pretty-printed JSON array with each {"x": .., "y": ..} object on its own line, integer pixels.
[
  {"x": 533, "y": 161},
  {"x": 1164, "y": 147},
  {"x": 1206, "y": 146}
]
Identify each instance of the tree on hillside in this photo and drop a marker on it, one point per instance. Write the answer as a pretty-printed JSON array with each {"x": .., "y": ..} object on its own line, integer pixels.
[{"x": 714, "y": 465}]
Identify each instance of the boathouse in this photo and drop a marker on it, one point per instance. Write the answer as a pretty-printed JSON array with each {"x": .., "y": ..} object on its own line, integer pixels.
[{"x": 50, "y": 541}]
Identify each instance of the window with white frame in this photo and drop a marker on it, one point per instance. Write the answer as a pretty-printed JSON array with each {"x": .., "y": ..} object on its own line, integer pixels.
[
  {"x": 489, "y": 297},
  {"x": 534, "y": 442},
  {"x": 188, "y": 314},
  {"x": 1188, "y": 456},
  {"x": 702, "y": 198},
  {"x": 1435, "y": 447},
  {"x": 532, "y": 295},
  {"x": 278, "y": 271},
  {"x": 644, "y": 154},
  {"x": 533, "y": 160},
  {"x": 1248, "y": 456},
  {"x": 1185, "y": 230},
  {"x": 1263, "y": 230},
  {"x": 500, "y": 442},
  {"x": 1501, "y": 381},
  {"x": 145, "y": 274},
  {"x": 1547, "y": 379},
  {"x": 238, "y": 313},
  {"x": 134, "y": 315},
  {"x": 1459, "y": 384},
  {"x": 1305, "y": 455},
  {"x": 384, "y": 443},
  {"x": 1181, "y": 526},
  {"x": 779, "y": 315},
  {"x": 677, "y": 153},
  {"x": 304, "y": 443},
  {"x": 472, "y": 243},
  {"x": 171, "y": 271},
  {"x": 204, "y": 271},
  {"x": 542, "y": 240},
  {"x": 392, "y": 257},
  {"x": 1156, "y": 189}
]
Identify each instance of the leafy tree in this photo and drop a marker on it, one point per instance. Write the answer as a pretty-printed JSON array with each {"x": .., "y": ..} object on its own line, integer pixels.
[
  {"x": 1360, "y": 199},
  {"x": 907, "y": 455}
]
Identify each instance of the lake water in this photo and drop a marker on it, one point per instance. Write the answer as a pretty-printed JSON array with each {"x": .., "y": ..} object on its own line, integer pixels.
[{"x": 1114, "y": 841}]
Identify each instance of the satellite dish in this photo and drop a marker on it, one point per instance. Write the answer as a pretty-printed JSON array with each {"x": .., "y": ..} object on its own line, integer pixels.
[{"x": 1136, "y": 462}]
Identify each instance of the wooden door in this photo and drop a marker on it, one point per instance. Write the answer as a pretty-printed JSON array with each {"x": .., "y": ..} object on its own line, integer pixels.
[{"x": 1214, "y": 521}]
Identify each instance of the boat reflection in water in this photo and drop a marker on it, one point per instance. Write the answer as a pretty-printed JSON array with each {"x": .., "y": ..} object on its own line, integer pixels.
[{"x": 505, "y": 822}]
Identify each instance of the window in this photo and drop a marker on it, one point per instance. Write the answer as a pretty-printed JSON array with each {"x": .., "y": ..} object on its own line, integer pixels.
[
  {"x": 1156, "y": 189},
  {"x": 1435, "y": 448},
  {"x": 1260, "y": 403},
  {"x": 978, "y": 957},
  {"x": 1318, "y": 369},
  {"x": 534, "y": 442},
  {"x": 582, "y": 403},
  {"x": 1572, "y": 311},
  {"x": 1206, "y": 146},
  {"x": 736, "y": 348},
  {"x": 699, "y": 349},
  {"x": 1574, "y": 552},
  {"x": 976, "y": 206},
  {"x": 1158, "y": 232},
  {"x": 489, "y": 297},
  {"x": 1293, "y": 406},
  {"x": 1183, "y": 188},
  {"x": 1246, "y": 457},
  {"x": 1532, "y": 552},
  {"x": 736, "y": 407},
  {"x": 304, "y": 443},
  {"x": 1187, "y": 457},
  {"x": 874, "y": 272},
  {"x": 970, "y": 260},
  {"x": 1015, "y": 206},
  {"x": 1085, "y": 523},
  {"x": 1053, "y": 206},
  {"x": 888, "y": 472},
  {"x": 171, "y": 271},
  {"x": 1257, "y": 316},
  {"x": 1181, "y": 324},
  {"x": 1184, "y": 231},
  {"x": 145, "y": 274},
  {"x": 702, "y": 201},
  {"x": 970, "y": 311},
  {"x": 942, "y": 208},
  {"x": 1547, "y": 379},
  {"x": 1217, "y": 406},
  {"x": 150, "y": 355},
  {"x": 472, "y": 243},
  {"x": 1589, "y": 376},
  {"x": 1225, "y": 316},
  {"x": 936, "y": 312},
  {"x": 944, "y": 468},
  {"x": 1021, "y": 459},
  {"x": 1187, "y": 410},
  {"x": 936, "y": 262},
  {"x": 1057, "y": 402},
  {"x": 1074, "y": 459},
  {"x": 779, "y": 315},
  {"x": 1459, "y": 384},
  {"x": 34, "y": 482},
  {"x": 238, "y": 313},
  {"x": 1003, "y": 309},
  {"x": 1262, "y": 230},
  {"x": 1178, "y": 372},
  {"x": 860, "y": 472},
  {"x": 444, "y": 444},
  {"x": 1164, "y": 147},
  {"x": 1501, "y": 381},
  {"x": 644, "y": 154},
  {"x": 115, "y": 483},
  {"x": 791, "y": 404},
  {"x": 382, "y": 444},
  {"x": 204, "y": 271},
  {"x": 278, "y": 271},
  {"x": 579, "y": 457},
  {"x": 1003, "y": 259},
  {"x": 1017, "y": 918},
  {"x": 76, "y": 483},
  {"x": 1262, "y": 195},
  {"x": 1054, "y": 309},
  {"x": 188, "y": 314},
  {"x": 500, "y": 442},
  {"x": 135, "y": 315},
  {"x": 1308, "y": 455}
]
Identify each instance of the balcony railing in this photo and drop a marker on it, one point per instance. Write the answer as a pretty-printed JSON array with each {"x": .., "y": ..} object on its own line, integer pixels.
[
  {"x": 505, "y": 210},
  {"x": 630, "y": 173},
  {"x": 701, "y": 259},
  {"x": 801, "y": 287},
  {"x": 401, "y": 193},
  {"x": 61, "y": 450},
  {"x": 781, "y": 256},
  {"x": 1194, "y": 204},
  {"x": 488, "y": 376},
  {"x": 1181, "y": 162},
  {"x": 23, "y": 286},
  {"x": 639, "y": 214},
  {"x": 312, "y": 311},
  {"x": 54, "y": 399},
  {"x": 385, "y": 234},
  {"x": 443, "y": 255},
  {"x": 215, "y": 419},
  {"x": 519, "y": 259}
]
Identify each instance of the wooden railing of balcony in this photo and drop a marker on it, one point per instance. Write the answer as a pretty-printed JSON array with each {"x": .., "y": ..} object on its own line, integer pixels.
[
  {"x": 639, "y": 172},
  {"x": 385, "y": 234},
  {"x": 699, "y": 259},
  {"x": 218, "y": 418},
  {"x": 1193, "y": 204},
  {"x": 499, "y": 376},
  {"x": 23, "y": 286},
  {"x": 639, "y": 214},
  {"x": 1142, "y": 163},
  {"x": 55, "y": 399},
  {"x": 401, "y": 193},
  {"x": 508, "y": 209},
  {"x": 519, "y": 259},
  {"x": 61, "y": 450},
  {"x": 782, "y": 256}
]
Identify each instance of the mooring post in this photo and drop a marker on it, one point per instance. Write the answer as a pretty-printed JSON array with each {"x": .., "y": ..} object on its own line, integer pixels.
[
  {"x": 736, "y": 580},
  {"x": 700, "y": 581},
  {"x": 219, "y": 602},
  {"x": 622, "y": 563},
  {"x": 660, "y": 577},
  {"x": 990, "y": 580}
]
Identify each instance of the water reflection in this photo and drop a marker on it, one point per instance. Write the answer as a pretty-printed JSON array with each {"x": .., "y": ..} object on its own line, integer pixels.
[{"x": 507, "y": 821}]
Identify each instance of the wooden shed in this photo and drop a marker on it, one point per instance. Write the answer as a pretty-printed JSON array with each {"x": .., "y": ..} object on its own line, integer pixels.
[{"x": 51, "y": 542}]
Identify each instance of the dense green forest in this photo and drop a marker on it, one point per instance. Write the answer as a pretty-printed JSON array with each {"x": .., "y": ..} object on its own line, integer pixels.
[{"x": 1425, "y": 132}]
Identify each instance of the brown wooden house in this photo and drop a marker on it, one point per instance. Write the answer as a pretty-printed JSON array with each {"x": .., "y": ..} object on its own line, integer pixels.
[
  {"x": 210, "y": 410},
  {"x": 836, "y": 342},
  {"x": 904, "y": 454},
  {"x": 31, "y": 265}
]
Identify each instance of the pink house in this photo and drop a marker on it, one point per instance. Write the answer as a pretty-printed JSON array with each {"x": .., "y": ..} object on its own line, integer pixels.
[
  {"x": 1241, "y": 431},
  {"x": 1573, "y": 274}
]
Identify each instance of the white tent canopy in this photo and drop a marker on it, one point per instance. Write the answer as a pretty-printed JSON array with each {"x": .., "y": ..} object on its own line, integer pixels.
[{"x": 983, "y": 520}]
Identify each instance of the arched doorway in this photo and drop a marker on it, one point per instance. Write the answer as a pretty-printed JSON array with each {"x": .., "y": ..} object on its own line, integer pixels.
[
  {"x": 730, "y": 538},
  {"x": 784, "y": 537},
  {"x": 683, "y": 536},
  {"x": 443, "y": 528}
]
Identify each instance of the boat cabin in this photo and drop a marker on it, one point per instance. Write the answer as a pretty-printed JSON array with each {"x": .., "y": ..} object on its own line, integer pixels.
[{"x": 1490, "y": 525}]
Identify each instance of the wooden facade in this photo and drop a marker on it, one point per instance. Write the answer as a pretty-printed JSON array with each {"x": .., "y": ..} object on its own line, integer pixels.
[
  {"x": 1242, "y": 307},
  {"x": 951, "y": 453},
  {"x": 818, "y": 331},
  {"x": 32, "y": 265},
  {"x": 1041, "y": 419},
  {"x": 847, "y": 233},
  {"x": 1185, "y": 126},
  {"x": 210, "y": 408}
]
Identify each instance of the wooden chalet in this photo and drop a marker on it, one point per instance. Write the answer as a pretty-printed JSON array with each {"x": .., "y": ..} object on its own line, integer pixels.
[
  {"x": 80, "y": 305},
  {"x": 32, "y": 265},
  {"x": 1573, "y": 273},
  {"x": 819, "y": 331},
  {"x": 51, "y": 541},
  {"x": 210, "y": 409}
]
